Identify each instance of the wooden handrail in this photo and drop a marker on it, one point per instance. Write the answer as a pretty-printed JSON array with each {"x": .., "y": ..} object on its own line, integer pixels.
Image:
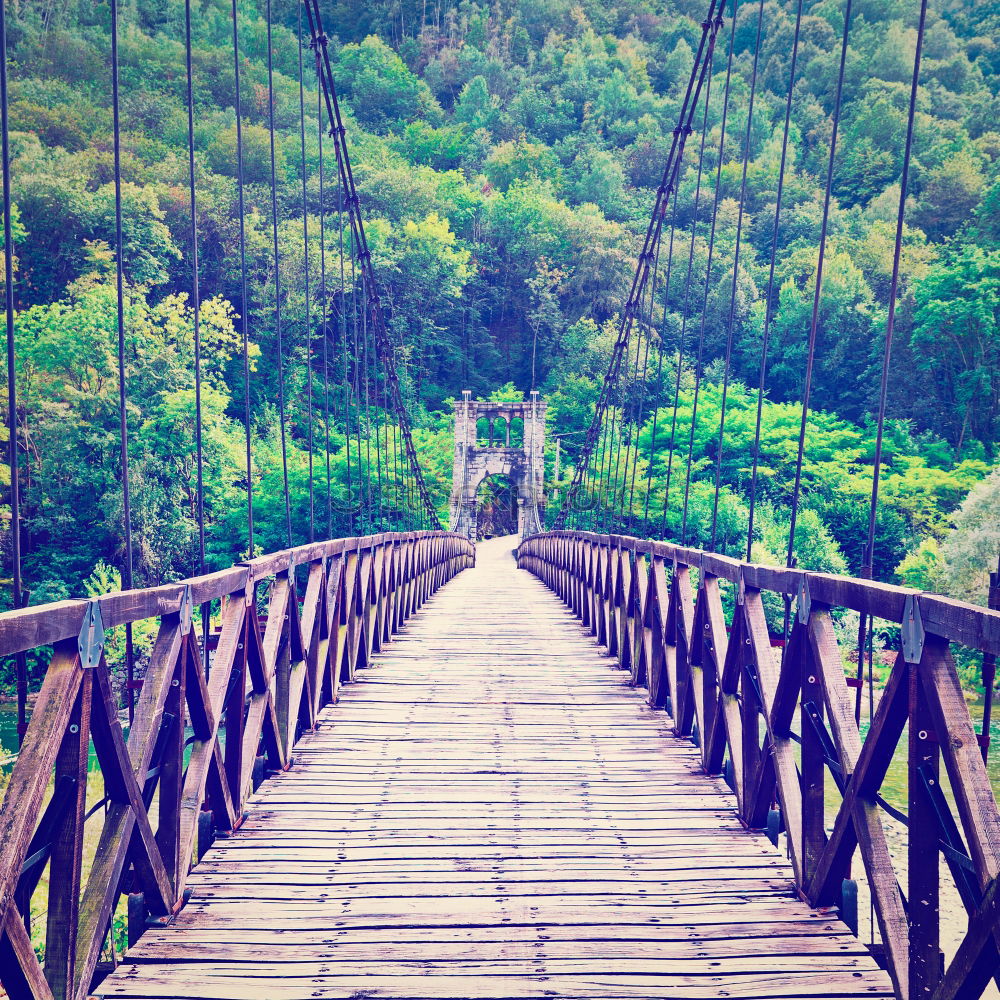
[
  {"x": 330, "y": 606},
  {"x": 659, "y": 609}
]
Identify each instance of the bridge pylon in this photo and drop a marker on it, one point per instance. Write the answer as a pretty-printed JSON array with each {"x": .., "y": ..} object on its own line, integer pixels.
[{"x": 504, "y": 449}]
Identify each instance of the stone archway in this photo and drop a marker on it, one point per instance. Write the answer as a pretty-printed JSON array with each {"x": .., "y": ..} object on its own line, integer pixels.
[
  {"x": 496, "y": 507},
  {"x": 485, "y": 446}
]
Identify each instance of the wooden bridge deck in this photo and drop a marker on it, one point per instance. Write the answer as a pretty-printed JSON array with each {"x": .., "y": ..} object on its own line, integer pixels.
[{"x": 491, "y": 812}]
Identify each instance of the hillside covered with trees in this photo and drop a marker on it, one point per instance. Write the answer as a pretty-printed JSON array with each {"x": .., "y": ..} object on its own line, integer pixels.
[{"x": 507, "y": 156}]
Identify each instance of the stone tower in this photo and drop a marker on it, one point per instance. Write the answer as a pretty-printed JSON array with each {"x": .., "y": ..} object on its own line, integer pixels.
[{"x": 521, "y": 461}]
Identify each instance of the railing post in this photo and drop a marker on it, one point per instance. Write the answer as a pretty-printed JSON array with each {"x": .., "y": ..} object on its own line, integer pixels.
[
  {"x": 168, "y": 834},
  {"x": 813, "y": 765},
  {"x": 923, "y": 864},
  {"x": 712, "y": 652},
  {"x": 602, "y": 612},
  {"x": 67, "y": 850},
  {"x": 626, "y": 642},
  {"x": 656, "y": 610},
  {"x": 586, "y": 604},
  {"x": 679, "y": 635},
  {"x": 614, "y": 595}
]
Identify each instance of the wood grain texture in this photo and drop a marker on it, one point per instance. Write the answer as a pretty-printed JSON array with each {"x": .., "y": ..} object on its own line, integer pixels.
[{"x": 492, "y": 811}]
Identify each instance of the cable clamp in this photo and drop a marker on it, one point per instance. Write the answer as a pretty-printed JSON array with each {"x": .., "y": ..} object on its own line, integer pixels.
[
  {"x": 185, "y": 610},
  {"x": 804, "y": 603},
  {"x": 90, "y": 642},
  {"x": 912, "y": 630}
]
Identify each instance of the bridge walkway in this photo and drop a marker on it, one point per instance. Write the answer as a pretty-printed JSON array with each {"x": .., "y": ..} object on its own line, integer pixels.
[{"x": 491, "y": 812}]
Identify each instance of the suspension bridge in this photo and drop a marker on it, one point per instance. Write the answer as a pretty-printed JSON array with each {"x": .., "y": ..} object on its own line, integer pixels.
[{"x": 576, "y": 762}]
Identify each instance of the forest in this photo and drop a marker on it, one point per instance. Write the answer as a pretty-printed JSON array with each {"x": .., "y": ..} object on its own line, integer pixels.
[{"x": 507, "y": 156}]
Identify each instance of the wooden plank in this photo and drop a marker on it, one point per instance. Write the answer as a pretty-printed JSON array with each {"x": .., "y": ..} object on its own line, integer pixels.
[
  {"x": 493, "y": 813},
  {"x": 190, "y": 980}
]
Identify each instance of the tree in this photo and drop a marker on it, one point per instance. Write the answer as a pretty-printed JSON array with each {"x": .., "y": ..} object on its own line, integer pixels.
[
  {"x": 424, "y": 271},
  {"x": 971, "y": 550},
  {"x": 476, "y": 106},
  {"x": 848, "y": 323},
  {"x": 956, "y": 337},
  {"x": 949, "y": 195},
  {"x": 522, "y": 161},
  {"x": 383, "y": 93},
  {"x": 222, "y": 154},
  {"x": 601, "y": 180}
]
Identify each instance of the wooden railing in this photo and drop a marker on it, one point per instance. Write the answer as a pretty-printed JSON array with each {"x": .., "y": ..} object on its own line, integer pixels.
[
  {"x": 290, "y": 628},
  {"x": 779, "y": 720}
]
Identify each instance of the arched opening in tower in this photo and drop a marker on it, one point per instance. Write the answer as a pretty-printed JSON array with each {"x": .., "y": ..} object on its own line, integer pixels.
[{"x": 497, "y": 507}]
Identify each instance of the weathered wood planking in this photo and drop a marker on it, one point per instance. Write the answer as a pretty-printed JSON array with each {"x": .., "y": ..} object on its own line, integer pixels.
[{"x": 491, "y": 812}]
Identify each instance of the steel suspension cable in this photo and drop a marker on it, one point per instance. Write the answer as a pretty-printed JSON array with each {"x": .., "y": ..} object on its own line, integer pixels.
[
  {"x": 643, "y": 386},
  {"x": 367, "y": 370},
  {"x": 356, "y": 393},
  {"x": 700, "y": 76},
  {"x": 308, "y": 303},
  {"x": 196, "y": 316},
  {"x": 869, "y": 554},
  {"x": 627, "y": 395},
  {"x": 325, "y": 308},
  {"x": 659, "y": 361},
  {"x": 372, "y": 438},
  {"x": 277, "y": 277},
  {"x": 710, "y": 27},
  {"x": 17, "y": 593},
  {"x": 685, "y": 307},
  {"x": 894, "y": 286},
  {"x": 373, "y": 306},
  {"x": 195, "y": 288},
  {"x": 385, "y": 446},
  {"x": 640, "y": 389},
  {"x": 818, "y": 291},
  {"x": 342, "y": 324},
  {"x": 244, "y": 298},
  {"x": 127, "y": 569},
  {"x": 366, "y": 396},
  {"x": 769, "y": 297},
  {"x": 699, "y": 358},
  {"x": 615, "y": 439},
  {"x": 736, "y": 270}
]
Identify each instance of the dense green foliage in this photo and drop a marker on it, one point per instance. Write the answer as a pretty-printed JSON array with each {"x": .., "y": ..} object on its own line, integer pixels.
[{"x": 506, "y": 157}]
